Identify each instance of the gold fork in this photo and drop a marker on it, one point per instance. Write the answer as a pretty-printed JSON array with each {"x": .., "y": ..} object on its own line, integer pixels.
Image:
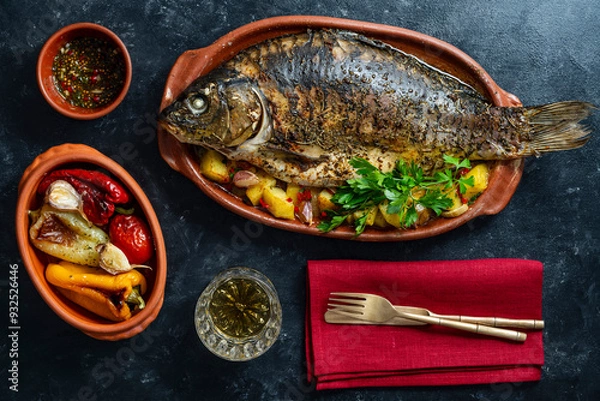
[
  {"x": 529, "y": 324},
  {"x": 378, "y": 309}
]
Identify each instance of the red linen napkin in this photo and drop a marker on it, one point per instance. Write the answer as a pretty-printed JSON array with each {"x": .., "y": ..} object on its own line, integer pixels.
[{"x": 343, "y": 356}]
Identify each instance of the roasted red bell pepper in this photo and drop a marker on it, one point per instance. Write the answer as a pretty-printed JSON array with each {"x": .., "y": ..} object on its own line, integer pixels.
[
  {"x": 112, "y": 190},
  {"x": 98, "y": 191}
]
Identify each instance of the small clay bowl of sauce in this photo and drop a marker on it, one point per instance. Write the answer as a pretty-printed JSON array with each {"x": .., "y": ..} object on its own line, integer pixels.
[{"x": 84, "y": 71}]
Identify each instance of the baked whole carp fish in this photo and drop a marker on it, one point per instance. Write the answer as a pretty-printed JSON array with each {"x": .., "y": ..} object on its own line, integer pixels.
[{"x": 301, "y": 106}]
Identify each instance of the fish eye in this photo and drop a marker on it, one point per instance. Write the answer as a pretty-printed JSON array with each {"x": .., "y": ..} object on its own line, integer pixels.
[{"x": 198, "y": 104}]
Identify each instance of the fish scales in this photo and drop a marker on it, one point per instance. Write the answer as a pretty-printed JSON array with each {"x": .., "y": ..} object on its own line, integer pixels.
[
  {"x": 301, "y": 106},
  {"x": 342, "y": 84}
]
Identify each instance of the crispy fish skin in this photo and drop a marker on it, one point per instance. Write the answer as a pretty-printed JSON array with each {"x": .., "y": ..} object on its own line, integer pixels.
[{"x": 300, "y": 106}]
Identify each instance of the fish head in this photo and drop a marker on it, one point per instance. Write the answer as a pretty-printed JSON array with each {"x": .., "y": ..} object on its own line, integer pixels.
[{"x": 219, "y": 113}]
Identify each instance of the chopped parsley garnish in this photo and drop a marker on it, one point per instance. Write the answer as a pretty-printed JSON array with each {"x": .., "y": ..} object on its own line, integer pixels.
[{"x": 404, "y": 188}]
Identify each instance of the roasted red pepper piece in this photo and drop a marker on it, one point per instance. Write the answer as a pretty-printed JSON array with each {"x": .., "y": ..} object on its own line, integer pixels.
[
  {"x": 98, "y": 192},
  {"x": 112, "y": 191},
  {"x": 95, "y": 207},
  {"x": 97, "y": 210}
]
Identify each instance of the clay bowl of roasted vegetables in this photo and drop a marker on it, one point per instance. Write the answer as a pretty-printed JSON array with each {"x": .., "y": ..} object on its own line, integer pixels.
[
  {"x": 84, "y": 71},
  {"x": 298, "y": 123},
  {"x": 91, "y": 242}
]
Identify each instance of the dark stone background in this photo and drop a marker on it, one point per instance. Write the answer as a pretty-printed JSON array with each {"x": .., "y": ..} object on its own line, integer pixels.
[{"x": 542, "y": 51}]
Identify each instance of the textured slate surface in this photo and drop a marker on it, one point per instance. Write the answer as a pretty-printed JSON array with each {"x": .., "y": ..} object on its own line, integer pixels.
[{"x": 542, "y": 51}]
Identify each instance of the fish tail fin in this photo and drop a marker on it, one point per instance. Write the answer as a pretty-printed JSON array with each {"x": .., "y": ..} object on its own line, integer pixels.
[{"x": 556, "y": 126}]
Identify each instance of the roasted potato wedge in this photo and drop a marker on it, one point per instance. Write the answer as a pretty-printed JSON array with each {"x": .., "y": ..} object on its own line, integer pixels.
[
  {"x": 324, "y": 200},
  {"x": 213, "y": 166},
  {"x": 255, "y": 192},
  {"x": 371, "y": 215},
  {"x": 278, "y": 203},
  {"x": 480, "y": 174}
]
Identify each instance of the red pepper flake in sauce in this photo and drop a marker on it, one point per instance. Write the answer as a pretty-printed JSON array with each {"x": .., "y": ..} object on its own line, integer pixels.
[
  {"x": 263, "y": 203},
  {"x": 89, "y": 72}
]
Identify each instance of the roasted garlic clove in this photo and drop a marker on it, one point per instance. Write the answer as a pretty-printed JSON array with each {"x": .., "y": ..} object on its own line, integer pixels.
[
  {"x": 63, "y": 196},
  {"x": 244, "y": 179},
  {"x": 305, "y": 212},
  {"x": 113, "y": 259},
  {"x": 456, "y": 211}
]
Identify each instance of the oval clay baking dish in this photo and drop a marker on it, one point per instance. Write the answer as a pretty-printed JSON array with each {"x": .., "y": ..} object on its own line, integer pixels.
[
  {"x": 504, "y": 175},
  {"x": 35, "y": 262}
]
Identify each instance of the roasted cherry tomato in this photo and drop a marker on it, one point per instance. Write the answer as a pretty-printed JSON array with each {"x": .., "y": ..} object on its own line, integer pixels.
[{"x": 132, "y": 235}]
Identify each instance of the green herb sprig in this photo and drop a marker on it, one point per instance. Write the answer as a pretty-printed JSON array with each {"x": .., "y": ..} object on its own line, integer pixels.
[
  {"x": 405, "y": 187},
  {"x": 447, "y": 177}
]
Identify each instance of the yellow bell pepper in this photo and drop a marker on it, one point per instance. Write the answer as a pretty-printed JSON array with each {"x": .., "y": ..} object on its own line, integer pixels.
[{"x": 98, "y": 291}]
